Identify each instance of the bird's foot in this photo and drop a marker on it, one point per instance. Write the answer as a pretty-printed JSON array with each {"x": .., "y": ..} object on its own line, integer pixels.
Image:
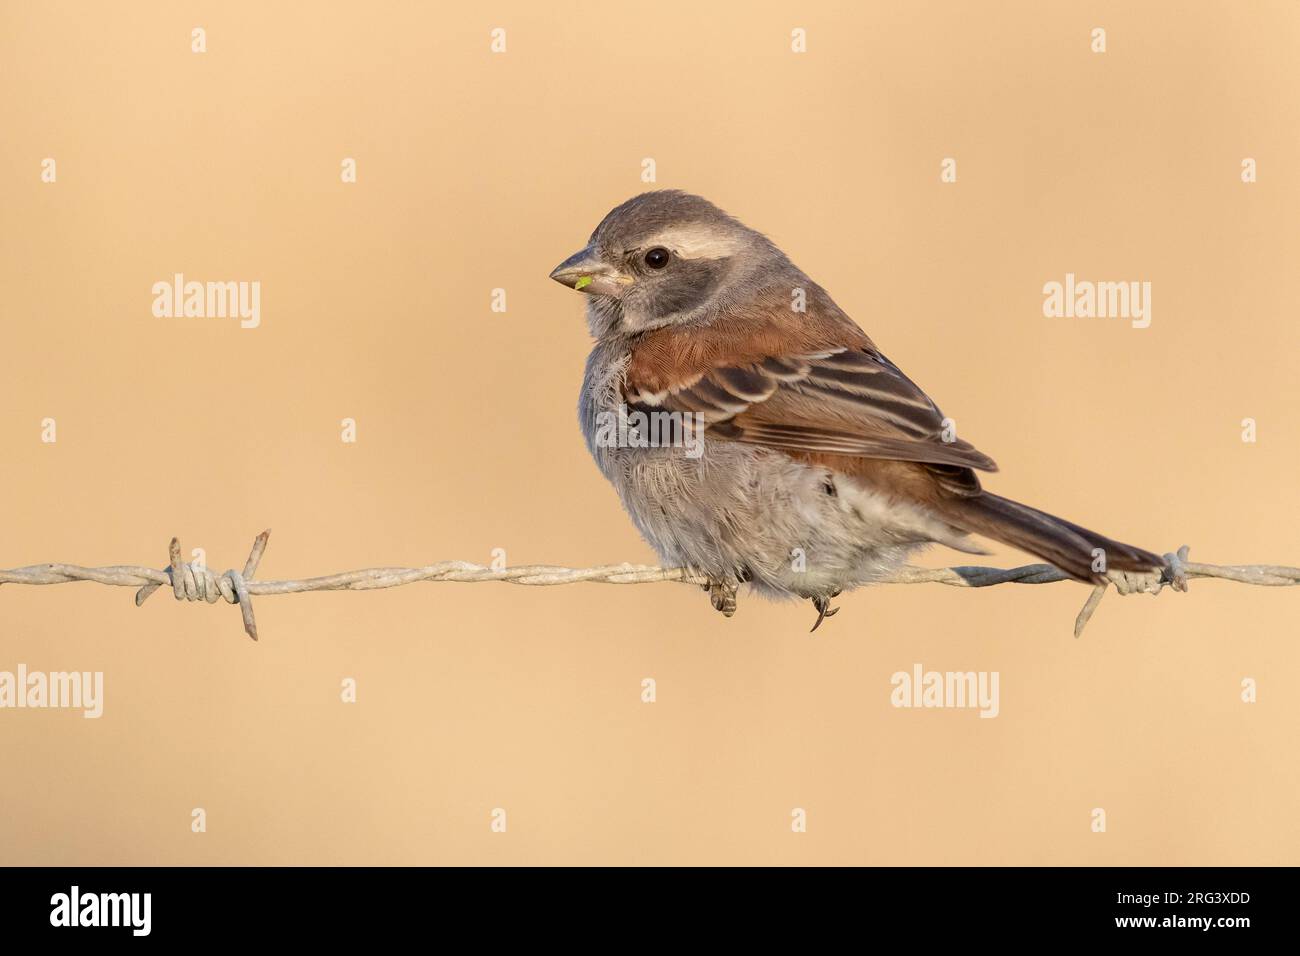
[
  {"x": 723, "y": 596},
  {"x": 824, "y": 610}
]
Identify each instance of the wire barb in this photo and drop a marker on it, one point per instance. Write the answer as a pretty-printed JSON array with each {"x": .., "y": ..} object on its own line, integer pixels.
[{"x": 194, "y": 582}]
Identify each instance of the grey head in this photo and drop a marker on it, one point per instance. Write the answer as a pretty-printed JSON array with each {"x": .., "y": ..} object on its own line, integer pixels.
[{"x": 668, "y": 258}]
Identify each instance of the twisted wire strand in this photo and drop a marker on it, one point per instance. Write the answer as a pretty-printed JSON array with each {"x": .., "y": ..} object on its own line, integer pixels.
[{"x": 191, "y": 581}]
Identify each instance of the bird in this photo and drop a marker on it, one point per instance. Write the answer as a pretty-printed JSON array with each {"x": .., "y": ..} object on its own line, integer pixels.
[{"x": 757, "y": 436}]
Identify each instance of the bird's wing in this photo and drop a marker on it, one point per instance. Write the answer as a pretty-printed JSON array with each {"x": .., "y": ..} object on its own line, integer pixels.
[{"x": 815, "y": 388}]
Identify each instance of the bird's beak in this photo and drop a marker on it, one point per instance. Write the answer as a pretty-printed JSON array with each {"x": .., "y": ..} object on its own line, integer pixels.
[{"x": 585, "y": 272}]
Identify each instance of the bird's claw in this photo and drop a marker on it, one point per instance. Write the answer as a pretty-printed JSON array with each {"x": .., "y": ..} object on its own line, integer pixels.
[
  {"x": 723, "y": 596},
  {"x": 824, "y": 610}
]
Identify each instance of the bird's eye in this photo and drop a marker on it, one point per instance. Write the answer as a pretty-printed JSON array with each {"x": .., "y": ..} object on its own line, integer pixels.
[{"x": 657, "y": 257}]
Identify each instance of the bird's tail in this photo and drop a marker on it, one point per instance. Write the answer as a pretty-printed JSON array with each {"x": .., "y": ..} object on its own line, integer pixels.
[{"x": 1060, "y": 542}]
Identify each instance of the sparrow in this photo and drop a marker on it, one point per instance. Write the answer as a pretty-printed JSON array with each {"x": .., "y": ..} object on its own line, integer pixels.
[{"x": 803, "y": 462}]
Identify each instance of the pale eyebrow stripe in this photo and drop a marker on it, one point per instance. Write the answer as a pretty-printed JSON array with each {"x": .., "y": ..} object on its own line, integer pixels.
[{"x": 686, "y": 244}]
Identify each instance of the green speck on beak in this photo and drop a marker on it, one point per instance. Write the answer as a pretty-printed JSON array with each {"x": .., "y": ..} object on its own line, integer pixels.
[{"x": 583, "y": 282}]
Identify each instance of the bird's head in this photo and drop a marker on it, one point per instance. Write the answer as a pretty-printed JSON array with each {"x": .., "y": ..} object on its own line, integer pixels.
[{"x": 665, "y": 258}]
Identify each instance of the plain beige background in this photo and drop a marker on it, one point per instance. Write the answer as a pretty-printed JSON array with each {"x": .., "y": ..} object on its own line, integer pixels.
[{"x": 478, "y": 171}]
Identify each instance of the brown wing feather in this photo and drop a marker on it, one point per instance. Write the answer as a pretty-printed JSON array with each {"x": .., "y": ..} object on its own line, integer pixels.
[{"x": 807, "y": 384}]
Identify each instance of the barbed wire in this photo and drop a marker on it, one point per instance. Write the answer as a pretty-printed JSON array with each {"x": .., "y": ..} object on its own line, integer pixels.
[{"x": 193, "y": 581}]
